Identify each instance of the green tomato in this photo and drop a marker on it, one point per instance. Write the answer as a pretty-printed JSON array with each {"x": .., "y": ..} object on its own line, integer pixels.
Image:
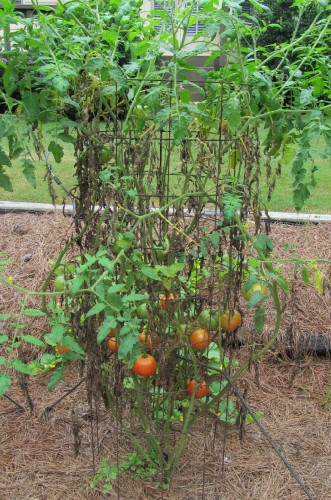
[
  {"x": 105, "y": 156},
  {"x": 142, "y": 311},
  {"x": 59, "y": 283},
  {"x": 209, "y": 319}
]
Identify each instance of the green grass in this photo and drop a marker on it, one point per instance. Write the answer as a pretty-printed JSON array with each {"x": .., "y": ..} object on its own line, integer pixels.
[{"x": 319, "y": 202}]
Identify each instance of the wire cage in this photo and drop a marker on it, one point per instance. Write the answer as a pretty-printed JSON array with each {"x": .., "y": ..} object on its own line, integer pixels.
[{"x": 162, "y": 180}]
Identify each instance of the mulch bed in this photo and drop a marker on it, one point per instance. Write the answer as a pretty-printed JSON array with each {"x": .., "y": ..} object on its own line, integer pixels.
[{"x": 37, "y": 459}]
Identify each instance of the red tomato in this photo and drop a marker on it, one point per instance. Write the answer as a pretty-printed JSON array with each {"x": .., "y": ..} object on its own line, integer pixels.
[
  {"x": 145, "y": 365},
  {"x": 113, "y": 345},
  {"x": 199, "y": 390},
  {"x": 164, "y": 303},
  {"x": 61, "y": 350},
  {"x": 200, "y": 339}
]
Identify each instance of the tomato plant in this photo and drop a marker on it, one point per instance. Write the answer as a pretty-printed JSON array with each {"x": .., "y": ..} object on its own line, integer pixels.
[
  {"x": 200, "y": 339},
  {"x": 145, "y": 365},
  {"x": 113, "y": 344},
  {"x": 199, "y": 390},
  {"x": 230, "y": 323}
]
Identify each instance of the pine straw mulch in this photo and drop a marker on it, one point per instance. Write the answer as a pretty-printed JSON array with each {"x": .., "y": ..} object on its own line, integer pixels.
[{"x": 37, "y": 450}]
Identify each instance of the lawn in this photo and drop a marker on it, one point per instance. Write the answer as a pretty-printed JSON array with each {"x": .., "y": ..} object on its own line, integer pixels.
[{"x": 319, "y": 201}]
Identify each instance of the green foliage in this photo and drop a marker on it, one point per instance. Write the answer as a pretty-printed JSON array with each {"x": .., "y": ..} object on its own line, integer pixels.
[{"x": 107, "y": 474}]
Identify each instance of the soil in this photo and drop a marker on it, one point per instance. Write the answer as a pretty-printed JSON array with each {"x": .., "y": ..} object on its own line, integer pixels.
[{"x": 292, "y": 387}]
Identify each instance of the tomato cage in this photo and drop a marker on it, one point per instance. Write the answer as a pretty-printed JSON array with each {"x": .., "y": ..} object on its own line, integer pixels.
[{"x": 166, "y": 180}]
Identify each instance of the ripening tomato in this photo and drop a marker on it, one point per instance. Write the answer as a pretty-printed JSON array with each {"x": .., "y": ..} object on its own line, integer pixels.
[
  {"x": 199, "y": 390},
  {"x": 230, "y": 323},
  {"x": 113, "y": 344},
  {"x": 200, "y": 339},
  {"x": 145, "y": 365},
  {"x": 164, "y": 303},
  {"x": 61, "y": 350},
  {"x": 257, "y": 287},
  {"x": 148, "y": 340}
]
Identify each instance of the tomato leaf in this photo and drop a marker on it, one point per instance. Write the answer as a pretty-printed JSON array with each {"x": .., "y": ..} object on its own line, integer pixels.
[
  {"x": 56, "y": 377},
  {"x": 72, "y": 344},
  {"x": 3, "y": 339},
  {"x": 231, "y": 113},
  {"x": 150, "y": 273},
  {"x": 29, "y": 171},
  {"x": 170, "y": 271},
  {"x": 107, "y": 264},
  {"x": 34, "y": 312},
  {"x": 318, "y": 279},
  {"x": 256, "y": 297},
  {"x": 56, "y": 150},
  {"x": 215, "y": 239},
  {"x": 5, "y": 383},
  {"x": 264, "y": 243},
  {"x": 4, "y": 159},
  {"x": 259, "y": 318},
  {"x": 2, "y": 360},
  {"x": 116, "y": 288},
  {"x": 305, "y": 275},
  {"x": 33, "y": 340},
  {"x": 109, "y": 322},
  {"x": 22, "y": 367},
  {"x": 47, "y": 359},
  {"x": 53, "y": 338},
  {"x": 5, "y": 182},
  {"x": 96, "y": 309},
  {"x": 128, "y": 345},
  {"x": 132, "y": 297},
  {"x": 4, "y": 316}
]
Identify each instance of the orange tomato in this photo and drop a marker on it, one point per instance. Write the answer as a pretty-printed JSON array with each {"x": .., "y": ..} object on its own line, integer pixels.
[
  {"x": 200, "y": 339},
  {"x": 164, "y": 303},
  {"x": 113, "y": 344},
  {"x": 145, "y": 365},
  {"x": 199, "y": 390},
  {"x": 148, "y": 340},
  {"x": 230, "y": 323}
]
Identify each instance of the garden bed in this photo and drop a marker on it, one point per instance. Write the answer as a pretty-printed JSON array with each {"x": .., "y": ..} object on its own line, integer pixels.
[{"x": 38, "y": 449}]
